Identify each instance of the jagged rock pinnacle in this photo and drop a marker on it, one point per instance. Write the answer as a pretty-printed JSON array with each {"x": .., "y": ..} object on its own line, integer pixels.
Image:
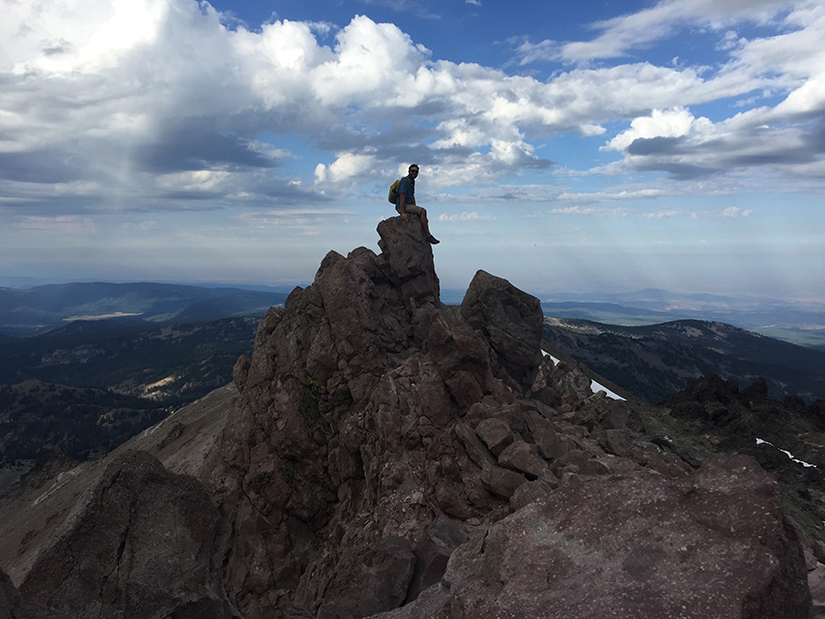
[{"x": 390, "y": 457}]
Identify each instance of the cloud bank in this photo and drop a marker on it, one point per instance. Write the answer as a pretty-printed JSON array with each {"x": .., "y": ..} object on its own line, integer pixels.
[{"x": 158, "y": 104}]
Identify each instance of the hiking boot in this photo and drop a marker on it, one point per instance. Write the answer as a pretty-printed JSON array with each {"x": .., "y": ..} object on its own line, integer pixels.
[{"x": 432, "y": 240}]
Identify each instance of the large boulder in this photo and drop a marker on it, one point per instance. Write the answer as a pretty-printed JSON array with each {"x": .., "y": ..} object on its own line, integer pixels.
[
  {"x": 633, "y": 546},
  {"x": 510, "y": 320},
  {"x": 410, "y": 257},
  {"x": 142, "y": 542}
]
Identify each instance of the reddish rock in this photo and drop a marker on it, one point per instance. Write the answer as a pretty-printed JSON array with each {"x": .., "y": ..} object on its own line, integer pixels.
[
  {"x": 549, "y": 444},
  {"x": 496, "y": 434},
  {"x": 410, "y": 258},
  {"x": 533, "y": 491},
  {"x": 524, "y": 458},
  {"x": 356, "y": 432},
  {"x": 636, "y": 546},
  {"x": 502, "y": 482},
  {"x": 356, "y": 389},
  {"x": 475, "y": 449}
]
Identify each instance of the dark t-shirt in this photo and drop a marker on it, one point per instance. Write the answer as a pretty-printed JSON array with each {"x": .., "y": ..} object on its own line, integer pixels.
[{"x": 407, "y": 187}]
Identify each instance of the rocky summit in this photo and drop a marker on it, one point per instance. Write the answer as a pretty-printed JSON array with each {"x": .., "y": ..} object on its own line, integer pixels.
[{"x": 383, "y": 455}]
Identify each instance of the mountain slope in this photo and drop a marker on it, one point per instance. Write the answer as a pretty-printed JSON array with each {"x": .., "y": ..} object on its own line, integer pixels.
[
  {"x": 123, "y": 356},
  {"x": 797, "y": 321},
  {"x": 243, "y": 303},
  {"x": 37, "y": 416},
  {"x": 388, "y": 457},
  {"x": 657, "y": 360},
  {"x": 91, "y": 385}
]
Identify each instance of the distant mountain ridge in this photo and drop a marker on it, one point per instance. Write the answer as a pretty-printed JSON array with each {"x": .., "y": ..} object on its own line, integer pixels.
[
  {"x": 799, "y": 322},
  {"x": 44, "y": 308},
  {"x": 656, "y": 361}
]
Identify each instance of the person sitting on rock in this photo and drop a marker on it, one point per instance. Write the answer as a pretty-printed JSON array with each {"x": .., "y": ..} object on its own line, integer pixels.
[{"x": 406, "y": 202}]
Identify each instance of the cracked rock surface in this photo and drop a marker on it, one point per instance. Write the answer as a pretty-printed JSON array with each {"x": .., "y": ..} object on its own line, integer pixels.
[{"x": 142, "y": 542}]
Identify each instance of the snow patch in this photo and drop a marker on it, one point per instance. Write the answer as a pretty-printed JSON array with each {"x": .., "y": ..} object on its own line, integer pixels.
[
  {"x": 596, "y": 387},
  {"x": 759, "y": 441},
  {"x": 547, "y": 354}
]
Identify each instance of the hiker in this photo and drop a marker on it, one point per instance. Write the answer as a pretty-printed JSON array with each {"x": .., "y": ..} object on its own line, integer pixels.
[{"x": 406, "y": 202}]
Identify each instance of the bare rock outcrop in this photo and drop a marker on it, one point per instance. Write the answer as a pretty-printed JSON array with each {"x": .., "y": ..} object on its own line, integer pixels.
[
  {"x": 369, "y": 580},
  {"x": 142, "y": 542},
  {"x": 712, "y": 544},
  {"x": 403, "y": 245},
  {"x": 387, "y": 456},
  {"x": 510, "y": 320},
  {"x": 371, "y": 418},
  {"x": 344, "y": 433}
]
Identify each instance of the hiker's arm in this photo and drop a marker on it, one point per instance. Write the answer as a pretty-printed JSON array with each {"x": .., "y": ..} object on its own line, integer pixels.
[{"x": 402, "y": 202}]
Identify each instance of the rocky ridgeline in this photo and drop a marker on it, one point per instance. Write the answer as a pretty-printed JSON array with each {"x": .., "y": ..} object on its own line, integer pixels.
[{"x": 387, "y": 456}]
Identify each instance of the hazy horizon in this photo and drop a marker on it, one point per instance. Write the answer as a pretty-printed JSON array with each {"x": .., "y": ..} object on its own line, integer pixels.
[{"x": 546, "y": 296}]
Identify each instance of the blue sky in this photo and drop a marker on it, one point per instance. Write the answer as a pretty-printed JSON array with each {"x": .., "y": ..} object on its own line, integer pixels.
[{"x": 591, "y": 146}]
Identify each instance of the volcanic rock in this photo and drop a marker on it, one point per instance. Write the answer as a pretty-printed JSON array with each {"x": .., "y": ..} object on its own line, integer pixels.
[
  {"x": 433, "y": 551},
  {"x": 510, "y": 320},
  {"x": 370, "y": 580},
  {"x": 714, "y": 544},
  {"x": 345, "y": 432},
  {"x": 369, "y": 411},
  {"x": 387, "y": 456},
  {"x": 786, "y": 438},
  {"x": 141, "y": 543},
  {"x": 403, "y": 245},
  {"x": 496, "y": 434}
]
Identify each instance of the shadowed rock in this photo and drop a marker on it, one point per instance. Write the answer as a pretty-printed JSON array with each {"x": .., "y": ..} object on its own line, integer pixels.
[
  {"x": 370, "y": 580},
  {"x": 433, "y": 551},
  {"x": 511, "y": 320},
  {"x": 9, "y": 599},
  {"x": 141, "y": 543}
]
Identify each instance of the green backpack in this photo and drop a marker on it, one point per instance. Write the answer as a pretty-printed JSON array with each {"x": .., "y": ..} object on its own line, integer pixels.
[{"x": 393, "y": 197}]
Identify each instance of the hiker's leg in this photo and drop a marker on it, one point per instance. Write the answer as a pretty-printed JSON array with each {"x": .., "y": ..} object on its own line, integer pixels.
[
  {"x": 411, "y": 209},
  {"x": 424, "y": 221}
]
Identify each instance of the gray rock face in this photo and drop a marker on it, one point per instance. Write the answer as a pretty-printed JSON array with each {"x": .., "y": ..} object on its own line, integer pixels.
[{"x": 142, "y": 543}]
